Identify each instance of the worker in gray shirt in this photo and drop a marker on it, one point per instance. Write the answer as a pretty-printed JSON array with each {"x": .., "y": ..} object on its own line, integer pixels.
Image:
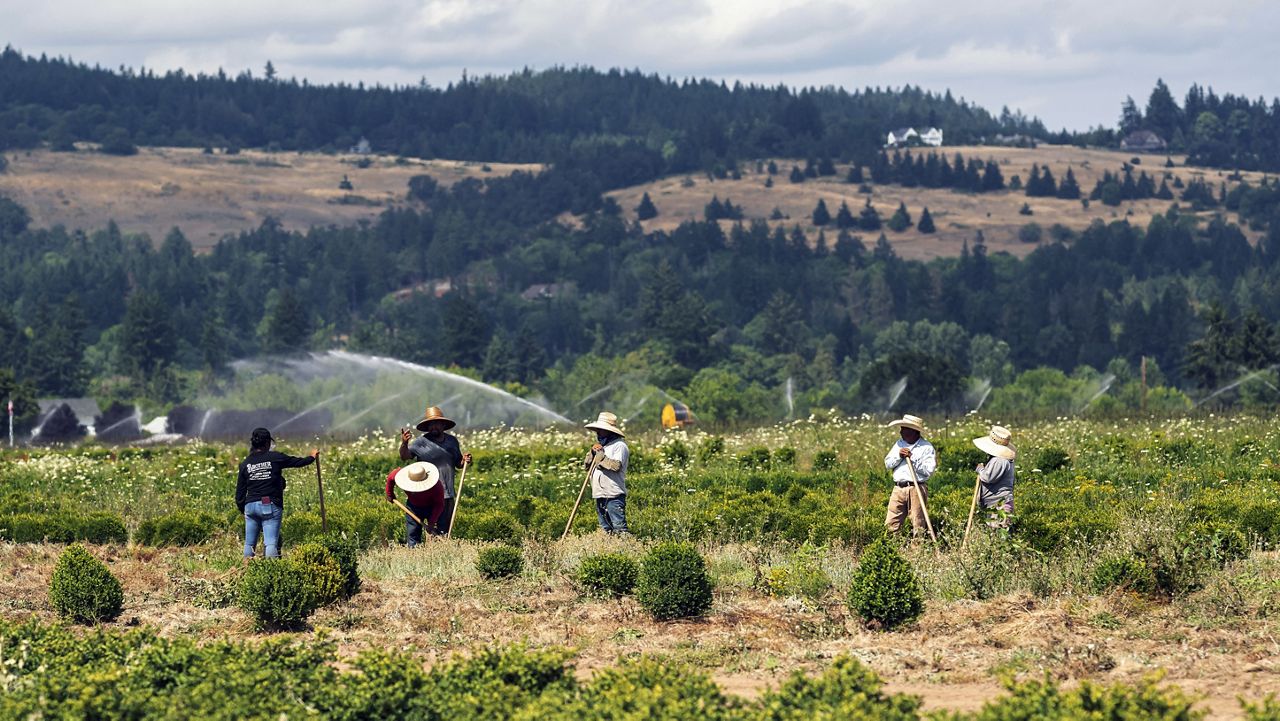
[
  {"x": 996, "y": 476},
  {"x": 609, "y": 457}
]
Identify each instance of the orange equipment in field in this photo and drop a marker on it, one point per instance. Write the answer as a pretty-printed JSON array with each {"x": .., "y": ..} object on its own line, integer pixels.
[{"x": 677, "y": 415}]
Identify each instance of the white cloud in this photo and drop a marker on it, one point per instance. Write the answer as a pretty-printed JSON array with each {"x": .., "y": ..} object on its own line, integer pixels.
[{"x": 1069, "y": 61}]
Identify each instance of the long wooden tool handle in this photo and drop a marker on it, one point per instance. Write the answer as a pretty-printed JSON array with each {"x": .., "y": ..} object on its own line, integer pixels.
[
  {"x": 572, "y": 514},
  {"x": 406, "y": 510},
  {"x": 972, "y": 509},
  {"x": 915, "y": 483},
  {"x": 457, "y": 500},
  {"x": 324, "y": 520}
]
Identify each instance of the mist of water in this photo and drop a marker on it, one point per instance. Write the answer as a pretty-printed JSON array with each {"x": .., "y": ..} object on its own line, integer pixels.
[
  {"x": 895, "y": 392},
  {"x": 1235, "y": 384},
  {"x": 789, "y": 388}
]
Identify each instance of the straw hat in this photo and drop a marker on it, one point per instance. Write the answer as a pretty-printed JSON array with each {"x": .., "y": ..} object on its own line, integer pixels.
[
  {"x": 997, "y": 443},
  {"x": 915, "y": 422},
  {"x": 606, "y": 422},
  {"x": 418, "y": 477},
  {"x": 434, "y": 414}
]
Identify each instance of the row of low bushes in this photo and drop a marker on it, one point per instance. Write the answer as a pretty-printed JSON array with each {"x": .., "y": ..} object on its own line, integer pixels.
[
  {"x": 277, "y": 592},
  {"x": 112, "y": 675}
]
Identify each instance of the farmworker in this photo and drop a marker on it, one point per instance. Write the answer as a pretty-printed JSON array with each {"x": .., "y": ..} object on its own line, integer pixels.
[
  {"x": 995, "y": 477},
  {"x": 911, "y": 450},
  {"x": 424, "y": 496},
  {"x": 609, "y": 479},
  {"x": 260, "y": 491},
  {"x": 439, "y": 449}
]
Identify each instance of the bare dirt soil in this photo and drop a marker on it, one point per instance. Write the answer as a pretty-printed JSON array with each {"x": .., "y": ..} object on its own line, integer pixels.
[
  {"x": 209, "y": 196},
  {"x": 433, "y": 603},
  {"x": 957, "y": 216}
]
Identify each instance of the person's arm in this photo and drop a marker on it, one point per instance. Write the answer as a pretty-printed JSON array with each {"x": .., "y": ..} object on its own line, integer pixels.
[
  {"x": 287, "y": 461},
  {"x": 455, "y": 451},
  {"x": 614, "y": 457},
  {"x": 391, "y": 485},
  {"x": 925, "y": 458},
  {"x": 984, "y": 471},
  {"x": 406, "y": 435},
  {"x": 242, "y": 482},
  {"x": 892, "y": 459}
]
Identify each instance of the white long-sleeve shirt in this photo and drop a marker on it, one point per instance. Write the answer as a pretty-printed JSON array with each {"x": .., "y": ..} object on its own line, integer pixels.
[{"x": 923, "y": 457}]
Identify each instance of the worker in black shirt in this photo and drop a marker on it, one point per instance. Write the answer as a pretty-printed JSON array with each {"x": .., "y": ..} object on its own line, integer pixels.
[{"x": 260, "y": 491}]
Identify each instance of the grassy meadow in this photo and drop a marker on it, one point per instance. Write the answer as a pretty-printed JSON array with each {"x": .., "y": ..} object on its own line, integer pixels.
[{"x": 1138, "y": 547}]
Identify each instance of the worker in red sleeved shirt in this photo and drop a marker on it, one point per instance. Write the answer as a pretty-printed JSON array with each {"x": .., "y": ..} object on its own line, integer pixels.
[{"x": 424, "y": 495}]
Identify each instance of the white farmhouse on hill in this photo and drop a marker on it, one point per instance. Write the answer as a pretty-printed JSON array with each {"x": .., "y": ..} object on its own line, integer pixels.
[{"x": 904, "y": 136}]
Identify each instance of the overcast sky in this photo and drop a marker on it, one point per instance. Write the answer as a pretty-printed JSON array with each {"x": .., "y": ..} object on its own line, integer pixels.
[{"x": 1070, "y": 62}]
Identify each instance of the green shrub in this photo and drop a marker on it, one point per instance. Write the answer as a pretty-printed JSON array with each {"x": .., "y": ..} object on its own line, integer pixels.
[
  {"x": 710, "y": 449},
  {"x": 1125, "y": 573},
  {"x": 497, "y": 526},
  {"x": 885, "y": 589},
  {"x": 83, "y": 589},
  {"x": 277, "y": 592},
  {"x": 1051, "y": 458},
  {"x": 826, "y": 461},
  {"x": 674, "y": 451},
  {"x": 500, "y": 562},
  {"x": 757, "y": 458},
  {"x": 846, "y": 690},
  {"x": 801, "y": 575},
  {"x": 644, "y": 688},
  {"x": 322, "y": 571},
  {"x": 300, "y": 527},
  {"x": 784, "y": 457},
  {"x": 1268, "y": 709},
  {"x": 180, "y": 528},
  {"x": 346, "y": 552},
  {"x": 608, "y": 575},
  {"x": 1143, "y": 701},
  {"x": 101, "y": 528},
  {"x": 673, "y": 582}
]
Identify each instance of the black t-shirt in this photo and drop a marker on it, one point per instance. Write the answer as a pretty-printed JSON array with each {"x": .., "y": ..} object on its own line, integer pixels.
[{"x": 260, "y": 476}]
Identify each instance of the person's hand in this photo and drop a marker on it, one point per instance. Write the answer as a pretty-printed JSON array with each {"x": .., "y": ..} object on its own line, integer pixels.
[
  {"x": 904, "y": 452},
  {"x": 406, "y": 435},
  {"x": 391, "y": 498},
  {"x": 466, "y": 458},
  {"x": 315, "y": 452},
  {"x": 597, "y": 448},
  {"x": 979, "y": 467}
]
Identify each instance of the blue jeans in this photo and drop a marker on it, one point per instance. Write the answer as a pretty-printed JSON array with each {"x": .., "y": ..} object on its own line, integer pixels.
[
  {"x": 262, "y": 518},
  {"x": 612, "y": 513}
]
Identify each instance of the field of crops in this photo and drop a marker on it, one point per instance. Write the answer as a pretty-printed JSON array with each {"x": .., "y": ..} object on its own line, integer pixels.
[{"x": 1136, "y": 548}]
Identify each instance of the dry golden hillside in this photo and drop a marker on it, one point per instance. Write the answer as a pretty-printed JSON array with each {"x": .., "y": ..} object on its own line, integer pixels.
[
  {"x": 957, "y": 216},
  {"x": 209, "y": 196}
]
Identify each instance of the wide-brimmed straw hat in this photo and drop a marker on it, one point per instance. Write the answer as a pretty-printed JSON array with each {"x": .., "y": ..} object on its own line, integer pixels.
[
  {"x": 418, "y": 477},
  {"x": 434, "y": 414},
  {"x": 906, "y": 421},
  {"x": 997, "y": 443},
  {"x": 606, "y": 422}
]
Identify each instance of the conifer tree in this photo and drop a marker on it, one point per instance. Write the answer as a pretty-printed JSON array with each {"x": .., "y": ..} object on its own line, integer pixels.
[
  {"x": 646, "y": 210},
  {"x": 926, "y": 222}
]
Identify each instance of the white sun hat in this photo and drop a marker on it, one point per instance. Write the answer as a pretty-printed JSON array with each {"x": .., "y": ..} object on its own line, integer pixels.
[
  {"x": 418, "y": 477},
  {"x": 606, "y": 422},
  {"x": 915, "y": 422},
  {"x": 997, "y": 443}
]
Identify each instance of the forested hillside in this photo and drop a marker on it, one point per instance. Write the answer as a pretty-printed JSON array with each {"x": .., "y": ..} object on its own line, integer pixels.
[{"x": 483, "y": 275}]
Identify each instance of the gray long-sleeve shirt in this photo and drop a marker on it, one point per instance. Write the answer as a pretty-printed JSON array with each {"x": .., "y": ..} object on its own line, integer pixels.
[{"x": 996, "y": 481}]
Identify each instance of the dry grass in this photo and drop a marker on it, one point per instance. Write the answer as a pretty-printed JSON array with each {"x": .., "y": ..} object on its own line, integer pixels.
[
  {"x": 209, "y": 196},
  {"x": 430, "y": 600},
  {"x": 957, "y": 216}
]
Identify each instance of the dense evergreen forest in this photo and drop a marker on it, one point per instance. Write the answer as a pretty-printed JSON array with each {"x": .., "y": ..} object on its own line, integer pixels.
[{"x": 721, "y": 315}]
